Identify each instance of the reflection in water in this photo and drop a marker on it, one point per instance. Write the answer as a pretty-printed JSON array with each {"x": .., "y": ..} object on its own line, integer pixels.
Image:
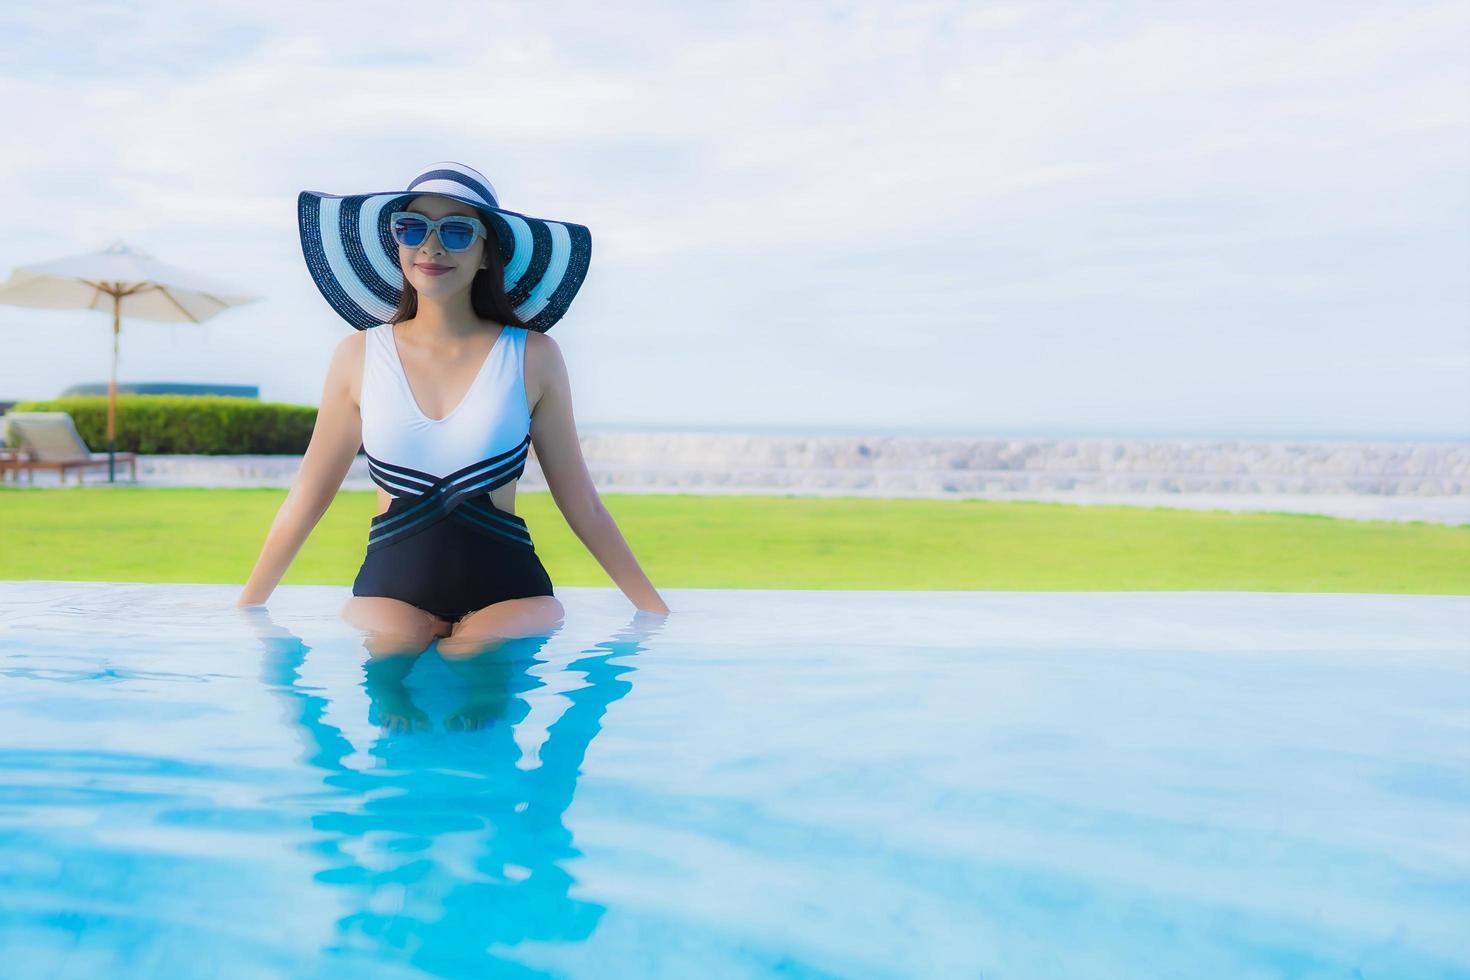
[{"x": 448, "y": 848}]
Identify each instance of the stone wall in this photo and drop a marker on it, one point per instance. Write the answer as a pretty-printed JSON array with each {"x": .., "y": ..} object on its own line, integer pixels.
[
  {"x": 982, "y": 465},
  {"x": 626, "y": 461}
]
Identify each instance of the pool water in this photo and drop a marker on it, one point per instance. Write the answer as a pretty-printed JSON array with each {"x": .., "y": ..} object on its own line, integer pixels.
[{"x": 764, "y": 783}]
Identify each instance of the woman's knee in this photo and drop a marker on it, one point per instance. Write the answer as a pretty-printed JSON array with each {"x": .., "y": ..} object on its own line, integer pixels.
[
  {"x": 393, "y": 627},
  {"x": 498, "y": 623}
]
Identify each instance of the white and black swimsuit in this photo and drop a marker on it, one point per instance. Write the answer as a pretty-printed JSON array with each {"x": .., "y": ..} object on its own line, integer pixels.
[{"x": 441, "y": 544}]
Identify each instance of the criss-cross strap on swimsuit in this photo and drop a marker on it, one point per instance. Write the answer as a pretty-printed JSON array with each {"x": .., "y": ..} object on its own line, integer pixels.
[
  {"x": 456, "y": 496},
  {"x": 442, "y": 544}
]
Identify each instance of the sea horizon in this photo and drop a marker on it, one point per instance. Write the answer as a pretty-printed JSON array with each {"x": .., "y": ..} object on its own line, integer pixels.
[{"x": 1030, "y": 432}]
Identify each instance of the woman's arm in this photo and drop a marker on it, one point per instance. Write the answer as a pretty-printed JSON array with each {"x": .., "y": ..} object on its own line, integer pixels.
[
  {"x": 554, "y": 437},
  {"x": 334, "y": 442}
]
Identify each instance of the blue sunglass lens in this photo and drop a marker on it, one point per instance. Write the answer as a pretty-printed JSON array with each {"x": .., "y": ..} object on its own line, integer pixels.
[
  {"x": 410, "y": 231},
  {"x": 456, "y": 235}
]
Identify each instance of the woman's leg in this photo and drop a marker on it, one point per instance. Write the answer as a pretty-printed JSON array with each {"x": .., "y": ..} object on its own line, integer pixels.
[
  {"x": 391, "y": 704},
  {"x": 393, "y": 627},
  {"x": 509, "y": 619}
]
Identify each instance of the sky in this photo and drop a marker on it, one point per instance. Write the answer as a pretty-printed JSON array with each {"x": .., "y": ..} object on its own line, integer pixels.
[{"x": 1243, "y": 220}]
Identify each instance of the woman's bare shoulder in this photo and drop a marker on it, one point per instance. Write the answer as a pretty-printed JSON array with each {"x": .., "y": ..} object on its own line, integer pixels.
[
  {"x": 542, "y": 347},
  {"x": 546, "y": 369},
  {"x": 345, "y": 371}
]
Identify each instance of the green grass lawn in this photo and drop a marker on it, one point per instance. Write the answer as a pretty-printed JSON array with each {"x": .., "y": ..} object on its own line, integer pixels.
[{"x": 157, "y": 534}]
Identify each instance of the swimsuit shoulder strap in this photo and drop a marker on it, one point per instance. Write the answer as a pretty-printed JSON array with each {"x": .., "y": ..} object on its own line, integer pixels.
[
  {"x": 379, "y": 368},
  {"x": 518, "y": 344}
]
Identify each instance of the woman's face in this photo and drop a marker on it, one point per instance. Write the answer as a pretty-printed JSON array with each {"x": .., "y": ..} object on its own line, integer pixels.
[{"x": 462, "y": 265}]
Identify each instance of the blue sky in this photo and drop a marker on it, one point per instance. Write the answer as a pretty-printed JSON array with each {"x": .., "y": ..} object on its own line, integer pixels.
[{"x": 1243, "y": 219}]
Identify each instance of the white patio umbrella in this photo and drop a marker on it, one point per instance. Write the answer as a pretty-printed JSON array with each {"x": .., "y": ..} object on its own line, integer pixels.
[{"x": 129, "y": 282}]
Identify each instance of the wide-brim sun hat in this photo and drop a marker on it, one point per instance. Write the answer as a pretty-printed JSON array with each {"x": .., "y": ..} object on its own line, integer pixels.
[{"x": 353, "y": 257}]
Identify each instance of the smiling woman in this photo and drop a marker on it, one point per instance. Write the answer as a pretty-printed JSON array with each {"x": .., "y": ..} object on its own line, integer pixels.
[
  {"x": 423, "y": 219},
  {"x": 447, "y": 392}
]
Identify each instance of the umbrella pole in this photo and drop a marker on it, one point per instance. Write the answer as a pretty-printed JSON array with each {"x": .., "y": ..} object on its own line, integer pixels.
[{"x": 112, "y": 395}]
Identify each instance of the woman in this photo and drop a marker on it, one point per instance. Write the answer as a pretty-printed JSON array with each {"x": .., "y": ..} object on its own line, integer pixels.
[{"x": 446, "y": 393}]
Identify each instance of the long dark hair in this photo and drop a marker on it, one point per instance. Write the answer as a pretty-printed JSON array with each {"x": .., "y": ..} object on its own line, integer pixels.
[{"x": 487, "y": 289}]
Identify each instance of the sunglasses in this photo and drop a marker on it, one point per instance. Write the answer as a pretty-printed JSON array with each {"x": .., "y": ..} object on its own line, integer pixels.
[{"x": 456, "y": 232}]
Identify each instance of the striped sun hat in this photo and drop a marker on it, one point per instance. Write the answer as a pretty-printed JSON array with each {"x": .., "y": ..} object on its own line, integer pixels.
[{"x": 353, "y": 258}]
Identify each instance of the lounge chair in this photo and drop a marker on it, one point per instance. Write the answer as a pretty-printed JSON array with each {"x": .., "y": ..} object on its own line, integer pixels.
[
  {"x": 10, "y": 459},
  {"x": 50, "y": 441}
]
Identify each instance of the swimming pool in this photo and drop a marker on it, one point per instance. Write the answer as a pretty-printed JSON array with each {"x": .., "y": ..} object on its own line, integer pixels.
[{"x": 804, "y": 784}]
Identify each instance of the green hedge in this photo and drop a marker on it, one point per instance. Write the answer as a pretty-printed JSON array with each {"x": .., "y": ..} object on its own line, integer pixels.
[{"x": 214, "y": 424}]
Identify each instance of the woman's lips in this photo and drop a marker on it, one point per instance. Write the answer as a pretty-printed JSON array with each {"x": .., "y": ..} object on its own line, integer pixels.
[{"x": 434, "y": 270}]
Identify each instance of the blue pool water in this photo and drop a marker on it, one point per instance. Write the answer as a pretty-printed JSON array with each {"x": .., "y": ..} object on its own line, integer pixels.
[{"x": 796, "y": 784}]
